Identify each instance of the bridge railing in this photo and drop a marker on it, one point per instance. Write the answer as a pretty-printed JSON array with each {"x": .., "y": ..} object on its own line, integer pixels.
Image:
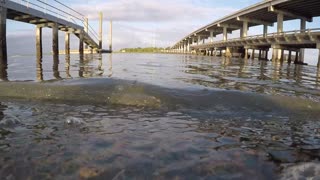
[
  {"x": 59, "y": 10},
  {"x": 275, "y": 34}
]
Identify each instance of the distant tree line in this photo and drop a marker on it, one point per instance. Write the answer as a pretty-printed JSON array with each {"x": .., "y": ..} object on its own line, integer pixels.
[{"x": 144, "y": 50}]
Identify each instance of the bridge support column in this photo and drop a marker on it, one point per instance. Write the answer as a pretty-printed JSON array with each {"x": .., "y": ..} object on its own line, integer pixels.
[
  {"x": 55, "y": 41},
  {"x": 280, "y": 23},
  {"x": 228, "y": 52},
  {"x": 282, "y": 56},
  {"x": 81, "y": 44},
  {"x": 110, "y": 36},
  {"x": 263, "y": 55},
  {"x": 86, "y": 29},
  {"x": 244, "y": 31},
  {"x": 303, "y": 29},
  {"x": 39, "y": 66},
  {"x": 260, "y": 54},
  {"x": 67, "y": 43},
  {"x": 253, "y": 54},
  {"x": 277, "y": 52},
  {"x": 265, "y": 30},
  {"x": 3, "y": 35},
  {"x": 318, "y": 60},
  {"x": 3, "y": 44},
  {"x": 318, "y": 47},
  {"x": 182, "y": 48},
  {"x": 100, "y": 29},
  {"x": 211, "y": 36},
  {"x": 39, "y": 42},
  {"x": 274, "y": 54},
  {"x": 266, "y": 55},
  {"x": 290, "y": 57},
  {"x": 186, "y": 46},
  {"x": 246, "y": 53},
  {"x": 297, "y": 57},
  {"x": 225, "y": 34}
]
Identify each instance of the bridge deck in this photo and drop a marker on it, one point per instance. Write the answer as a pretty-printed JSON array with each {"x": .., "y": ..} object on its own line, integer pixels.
[
  {"x": 265, "y": 13},
  {"x": 288, "y": 40},
  {"x": 260, "y": 13},
  {"x": 18, "y": 12}
]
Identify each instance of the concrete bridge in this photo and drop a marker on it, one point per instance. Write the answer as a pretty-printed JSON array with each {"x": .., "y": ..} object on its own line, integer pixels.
[
  {"x": 265, "y": 13},
  {"x": 52, "y": 14}
]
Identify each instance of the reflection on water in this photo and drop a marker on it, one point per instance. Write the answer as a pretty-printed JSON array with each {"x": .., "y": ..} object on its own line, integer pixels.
[
  {"x": 2, "y": 109},
  {"x": 39, "y": 69},
  {"x": 55, "y": 69},
  {"x": 67, "y": 66},
  {"x": 196, "y": 132},
  {"x": 173, "y": 71},
  {"x": 3, "y": 71}
]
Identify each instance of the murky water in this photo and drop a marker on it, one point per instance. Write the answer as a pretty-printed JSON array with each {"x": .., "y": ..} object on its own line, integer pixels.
[{"x": 157, "y": 116}]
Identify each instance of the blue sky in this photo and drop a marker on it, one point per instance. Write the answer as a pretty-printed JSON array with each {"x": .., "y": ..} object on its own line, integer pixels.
[{"x": 142, "y": 23}]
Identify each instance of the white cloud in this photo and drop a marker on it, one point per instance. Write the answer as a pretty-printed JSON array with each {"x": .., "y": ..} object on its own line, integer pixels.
[
  {"x": 141, "y": 22},
  {"x": 147, "y": 22},
  {"x": 151, "y": 10}
]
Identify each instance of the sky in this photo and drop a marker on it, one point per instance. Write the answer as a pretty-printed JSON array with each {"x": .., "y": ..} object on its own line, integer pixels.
[
  {"x": 139, "y": 23},
  {"x": 136, "y": 23}
]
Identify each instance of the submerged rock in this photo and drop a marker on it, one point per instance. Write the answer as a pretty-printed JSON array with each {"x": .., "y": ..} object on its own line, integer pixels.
[
  {"x": 284, "y": 156},
  {"x": 87, "y": 173},
  {"x": 74, "y": 121},
  {"x": 10, "y": 121},
  {"x": 302, "y": 171},
  {"x": 135, "y": 100}
]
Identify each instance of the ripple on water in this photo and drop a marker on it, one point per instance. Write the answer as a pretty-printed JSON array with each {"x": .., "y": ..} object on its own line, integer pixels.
[
  {"x": 183, "y": 128},
  {"x": 155, "y": 144}
]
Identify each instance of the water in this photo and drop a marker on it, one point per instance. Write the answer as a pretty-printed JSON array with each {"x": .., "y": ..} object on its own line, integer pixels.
[{"x": 157, "y": 116}]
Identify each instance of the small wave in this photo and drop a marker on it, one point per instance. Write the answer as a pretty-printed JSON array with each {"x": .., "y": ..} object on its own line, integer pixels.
[{"x": 131, "y": 93}]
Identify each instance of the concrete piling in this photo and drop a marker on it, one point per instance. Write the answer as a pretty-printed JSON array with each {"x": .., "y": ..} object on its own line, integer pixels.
[
  {"x": 290, "y": 57},
  {"x": 110, "y": 37},
  {"x": 297, "y": 57},
  {"x": 318, "y": 47},
  {"x": 246, "y": 53},
  {"x": 303, "y": 26},
  {"x": 39, "y": 69},
  {"x": 266, "y": 55},
  {"x": 259, "y": 54},
  {"x": 282, "y": 56},
  {"x": 253, "y": 54},
  {"x": 39, "y": 42},
  {"x": 81, "y": 43},
  {"x": 228, "y": 52},
  {"x": 100, "y": 29},
  {"x": 67, "y": 43},
  {"x": 55, "y": 41},
  {"x": 3, "y": 35},
  {"x": 318, "y": 60}
]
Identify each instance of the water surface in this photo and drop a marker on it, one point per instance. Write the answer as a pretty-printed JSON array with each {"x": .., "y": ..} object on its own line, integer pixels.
[{"x": 158, "y": 116}]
